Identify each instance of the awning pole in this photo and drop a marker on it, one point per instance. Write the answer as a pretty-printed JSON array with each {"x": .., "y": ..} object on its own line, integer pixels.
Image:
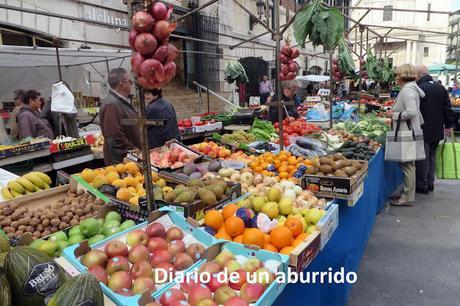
[{"x": 59, "y": 63}]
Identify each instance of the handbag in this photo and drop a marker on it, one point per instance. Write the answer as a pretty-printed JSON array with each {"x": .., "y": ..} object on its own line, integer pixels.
[
  {"x": 406, "y": 145},
  {"x": 448, "y": 160}
]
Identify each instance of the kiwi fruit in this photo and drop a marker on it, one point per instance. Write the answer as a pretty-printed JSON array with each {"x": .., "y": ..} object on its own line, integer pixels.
[
  {"x": 334, "y": 166},
  {"x": 312, "y": 170},
  {"x": 356, "y": 164},
  {"x": 330, "y": 174},
  {"x": 325, "y": 161},
  {"x": 340, "y": 173},
  {"x": 325, "y": 169},
  {"x": 350, "y": 171},
  {"x": 320, "y": 174},
  {"x": 316, "y": 164},
  {"x": 346, "y": 163},
  {"x": 338, "y": 156}
]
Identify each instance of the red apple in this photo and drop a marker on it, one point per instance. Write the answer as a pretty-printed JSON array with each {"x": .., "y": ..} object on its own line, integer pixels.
[
  {"x": 179, "y": 303},
  {"x": 207, "y": 303},
  {"x": 251, "y": 292},
  {"x": 196, "y": 251},
  {"x": 223, "y": 294},
  {"x": 153, "y": 304},
  {"x": 175, "y": 247},
  {"x": 159, "y": 257},
  {"x": 238, "y": 281},
  {"x": 141, "y": 269},
  {"x": 215, "y": 284},
  {"x": 120, "y": 280},
  {"x": 143, "y": 283},
  {"x": 157, "y": 243},
  {"x": 252, "y": 265},
  {"x": 182, "y": 261},
  {"x": 155, "y": 230},
  {"x": 171, "y": 295},
  {"x": 125, "y": 292},
  {"x": 99, "y": 273},
  {"x": 264, "y": 277},
  {"x": 164, "y": 272},
  {"x": 189, "y": 283},
  {"x": 236, "y": 301},
  {"x": 174, "y": 233},
  {"x": 210, "y": 267},
  {"x": 137, "y": 237},
  {"x": 138, "y": 253},
  {"x": 116, "y": 248},
  {"x": 94, "y": 258},
  {"x": 199, "y": 293},
  {"x": 117, "y": 263}
]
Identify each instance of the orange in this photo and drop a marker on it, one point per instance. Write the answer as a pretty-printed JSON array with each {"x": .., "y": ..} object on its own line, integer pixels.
[
  {"x": 283, "y": 169},
  {"x": 254, "y": 236},
  {"x": 130, "y": 181},
  {"x": 229, "y": 210},
  {"x": 238, "y": 239},
  {"x": 112, "y": 176},
  {"x": 265, "y": 173},
  {"x": 88, "y": 175},
  {"x": 110, "y": 169},
  {"x": 287, "y": 250},
  {"x": 292, "y": 160},
  {"x": 132, "y": 168},
  {"x": 284, "y": 175},
  {"x": 296, "y": 242},
  {"x": 213, "y": 219},
  {"x": 290, "y": 168},
  {"x": 123, "y": 194},
  {"x": 267, "y": 238},
  {"x": 222, "y": 229},
  {"x": 120, "y": 168},
  {"x": 270, "y": 247},
  {"x": 307, "y": 162},
  {"x": 234, "y": 226},
  {"x": 224, "y": 236},
  {"x": 281, "y": 237},
  {"x": 119, "y": 183},
  {"x": 302, "y": 236},
  {"x": 294, "y": 225},
  {"x": 259, "y": 169}
]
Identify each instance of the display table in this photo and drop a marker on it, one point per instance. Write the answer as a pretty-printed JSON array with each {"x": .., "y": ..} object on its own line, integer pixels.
[{"x": 347, "y": 244}]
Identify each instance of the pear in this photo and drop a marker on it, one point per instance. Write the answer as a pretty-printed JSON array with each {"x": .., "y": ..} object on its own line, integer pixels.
[
  {"x": 258, "y": 203},
  {"x": 207, "y": 197}
]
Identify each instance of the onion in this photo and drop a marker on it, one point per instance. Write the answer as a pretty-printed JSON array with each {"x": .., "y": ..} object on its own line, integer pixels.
[
  {"x": 291, "y": 76},
  {"x": 163, "y": 29},
  {"x": 293, "y": 67},
  {"x": 283, "y": 58},
  {"x": 136, "y": 61},
  {"x": 282, "y": 76},
  {"x": 335, "y": 61},
  {"x": 152, "y": 68},
  {"x": 132, "y": 38},
  {"x": 172, "y": 52},
  {"x": 161, "y": 54},
  {"x": 295, "y": 53},
  {"x": 170, "y": 70},
  {"x": 142, "y": 21},
  {"x": 334, "y": 67},
  {"x": 362, "y": 61},
  {"x": 145, "y": 43},
  {"x": 286, "y": 50},
  {"x": 159, "y": 11},
  {"x": 148, "y": 84},
  {"x": 285, "y": 69},
  {"x": 338, "y": 75}
]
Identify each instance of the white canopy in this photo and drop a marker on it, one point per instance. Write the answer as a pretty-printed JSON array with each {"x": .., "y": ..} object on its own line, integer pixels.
[{"x": 312, "y": 78}]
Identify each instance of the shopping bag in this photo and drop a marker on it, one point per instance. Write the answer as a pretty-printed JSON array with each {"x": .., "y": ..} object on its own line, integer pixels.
[
  {"x": 62, "y": 99},
  {"x": 448, "y": 160},
  {"x": 404, "y": 145}
]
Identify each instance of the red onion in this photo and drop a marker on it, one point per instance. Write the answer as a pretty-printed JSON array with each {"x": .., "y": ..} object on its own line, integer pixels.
[
  {"x": 295, "y": 53},
  {"x": 142, "y": 21},
  {"x": 161, "y": 54},
  {"x": 132, "y": 38},
  {"x": 362, "y": 61},
  {"x": 282, "y": 76},
  {"x": 172, "y": 52},
  {"x": 170, "y": 70},
  {"x": 145, "y": 43},
  {"x": 283, "y": 58},
  {"x": 159, "y": 11},
  {"x": 148, "y": 84},
  {"x": 293, "y": 67},
  {"x": 338, "y": 75},
  {"x": 152, "y": 68},
  {"x": 335, "y": 61},
  {"x": 291, "y": 76},
  {"x": 285, "y": 69},
  {"x": 334, "y": 67},
  {"x": 136, "y": 61},
  {"x": 286, "y": 50},
  {"x": 163, "y": 29}
]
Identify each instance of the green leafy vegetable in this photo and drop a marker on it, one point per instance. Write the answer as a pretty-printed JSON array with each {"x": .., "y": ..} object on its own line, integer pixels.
[
  {"x": 234, "y": 71},
  {"x": 346, "y": 64}
]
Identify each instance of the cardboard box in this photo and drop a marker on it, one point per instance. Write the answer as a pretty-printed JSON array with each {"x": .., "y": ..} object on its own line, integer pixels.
[
  {"x": 305, "y": 252},
  {"x": 25, "y": 148},
  {"x": 328, "y": 224}
]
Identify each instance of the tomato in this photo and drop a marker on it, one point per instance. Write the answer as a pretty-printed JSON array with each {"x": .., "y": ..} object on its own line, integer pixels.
[
  {"x": 187, "y": 123},
  {"x": 276, "y": 125},
  {"x": 180, "y": 123},
  {"x": 286, "y": 143}
]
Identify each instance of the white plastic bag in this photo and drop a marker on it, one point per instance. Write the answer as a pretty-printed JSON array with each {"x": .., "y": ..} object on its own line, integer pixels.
[{"x": 62, "y": 99}]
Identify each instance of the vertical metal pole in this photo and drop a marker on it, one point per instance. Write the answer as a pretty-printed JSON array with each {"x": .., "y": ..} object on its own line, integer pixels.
[
  {"x": 276, "y": 15},
  {"x": 456, "y": 50},
  {"x": 107, "y": 65},
  {"x": 331, "y": 86},
  {"x": 207, "y": 96},
  {"x": 59, "y": 63},
  {"x": 361, "y": 30}
]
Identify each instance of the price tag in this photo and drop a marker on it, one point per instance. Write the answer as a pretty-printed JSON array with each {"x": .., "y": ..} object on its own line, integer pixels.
[{"x": 69, "y": 145}]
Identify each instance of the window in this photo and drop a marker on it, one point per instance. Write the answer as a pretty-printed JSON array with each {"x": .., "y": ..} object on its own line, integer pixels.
[
  {"x": 426, "y": 51},
  {"x": 428, "y": 15},
  {"x": 388, "y": 13}
]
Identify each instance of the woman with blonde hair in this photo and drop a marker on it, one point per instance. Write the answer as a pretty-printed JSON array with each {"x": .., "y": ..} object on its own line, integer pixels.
[{"x": 406, "y": 110}]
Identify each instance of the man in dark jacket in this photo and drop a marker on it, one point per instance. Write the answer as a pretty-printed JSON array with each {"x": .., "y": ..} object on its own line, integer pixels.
[
  {"x": 29, "y": 122},
  {"x": 437, "y": 114},
  {"x": 159, "y": 108},
  {"x": 115, "y": 108}
]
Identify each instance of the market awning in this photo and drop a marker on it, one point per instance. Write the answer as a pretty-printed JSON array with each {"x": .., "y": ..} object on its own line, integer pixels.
[
  {"x": 313, "y": 78},
  {"x": 441, "y": 68}
]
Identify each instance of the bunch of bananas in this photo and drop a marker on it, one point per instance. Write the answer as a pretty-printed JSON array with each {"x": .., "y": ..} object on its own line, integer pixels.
[{"x": 28, "y": 183}]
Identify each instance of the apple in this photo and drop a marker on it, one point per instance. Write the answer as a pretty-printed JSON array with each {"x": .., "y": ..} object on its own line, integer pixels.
[
  {"x": 110, "y": 231},
  {"x": 111, "y": 223},
  {"x": 175, "y": 247},
  {"x": 236, "y": 301},
  {"x": 252, "y": 265},
  {"x": 223, "y": 294},
  {"x": 143, "y": 283},
  {"x": 120, "y": 280},
  {"x": 164, "y": 272},
  {"x": 90, "y": 227},
  {"x": 182, "y": 261},
  {"x": 159, "y": 257},
  {"x": 136, "y": 238},
  {"x": 196, "y": 251},
  {"x": 264, "y": 277},
  {"x": 174, "y": 233},
  {"x": 116, "y": 248},
  {"x": 138, "y": 253},
  {"x": 210, "y": 267},
  {"x": 113, "y": 215},
  {"x": 223, "y": 256},
  {"x": 189, "y": 283},
  {"x": 141, "y": 268},
  {"x": 171, "y": 295},
  {"x": 240, "y": 281},
  {"x": 207, "y": 303},
  {"x": 117, "y": 263},
  {"x": 62, "y": 245},
  {"x": 76, "y": 238},
  {"x": 153, "y": 304},
  {"x": 99, "y": 273},
  {"x": 125, "y": 292},
  {"x": 251, "y": 292},
  {"x": 156, "y": 230},
  {"x": 232, "y": 266},
  {"x": 215, "y": 284},
  {"x": 199, "y": 293},
  {"x": 94, "y": 258},
  {"x": 58, "y": 236},
  {"x": 75, "y": 230},
  {"x": 179, "y": 303},
  {"x": 48, "y": 247},
  {"x": 95, "y": 239},
  {"x": 127, "y": 224},
  {"x": 157, "y": 243}
]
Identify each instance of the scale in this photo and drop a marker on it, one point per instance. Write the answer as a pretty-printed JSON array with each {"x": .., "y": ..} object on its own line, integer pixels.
[{"x": 246, "y": 116}]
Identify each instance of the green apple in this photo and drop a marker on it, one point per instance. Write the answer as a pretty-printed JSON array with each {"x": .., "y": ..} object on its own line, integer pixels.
[
  {"x": 76, "y": 239},
  {"x": 310, "y": 229},
  {"x": 258, "y": 203},
  {"x": 74, "y": 231},
  {"x": 48, "y": 247},
  {"x": 62, "y": 245},
  {"x": 36, "y": 243},
  {"x": 59, "y": 236},
  {"x": 245, "y": 203},
  {"x": 281, "y": 220},
  {"x": 274, "y": 194},
  {"x": 96, "y": 238},
  {"x": 313, "y": 215},
  {"x": 89, "y": 227},
  {"x": 127, "y": 224},
  {"x": 101, "y": 221},
  {"x": 271, "y": 209},
  {"x": 109, "y": 231},
  {"x": 285, "y": 206},
  {"x": 113, "y": 215},
  {"x": 111, "y": 223}
]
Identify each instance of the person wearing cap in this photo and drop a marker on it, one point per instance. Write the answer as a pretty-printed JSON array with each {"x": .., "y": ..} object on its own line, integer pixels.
[{"x": 12, "y": 125}]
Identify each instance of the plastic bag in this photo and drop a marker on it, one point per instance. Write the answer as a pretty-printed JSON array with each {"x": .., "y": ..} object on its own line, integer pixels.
[
  {"x": 62, "y": 99},
  {"x": 317, "y": 113}
]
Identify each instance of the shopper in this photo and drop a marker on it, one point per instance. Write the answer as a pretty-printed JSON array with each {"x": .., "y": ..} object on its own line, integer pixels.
[
  {"x": 265, "y": 89},
  {"x": 408, "y": 105},
  {"x": 29, "y": 121},
  {"x": 12, "y": 125},
  {"x": 160, "y": 108},
  {"x": 437, "y": 113},
  {"x": 116, "y": 107},
  {"x": 289, "y": 95}
]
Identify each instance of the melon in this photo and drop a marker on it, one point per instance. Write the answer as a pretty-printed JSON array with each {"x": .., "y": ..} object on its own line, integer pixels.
[
  {"x": 5, "y": 293},
  {"x": 83, "y": 289},
  {"x": 32, "y": 275}
]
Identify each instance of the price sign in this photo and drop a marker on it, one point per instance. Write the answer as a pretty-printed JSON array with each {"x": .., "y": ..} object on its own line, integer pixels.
[{"x": 73, "y": 144}]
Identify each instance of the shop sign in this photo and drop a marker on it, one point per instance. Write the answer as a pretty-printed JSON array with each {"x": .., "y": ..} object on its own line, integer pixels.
[{"x": 105, "y": 15}]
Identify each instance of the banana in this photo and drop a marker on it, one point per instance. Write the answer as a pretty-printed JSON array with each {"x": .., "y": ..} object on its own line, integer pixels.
[
  {"x": 47, "y": 186},
  {"x": 26, "y": 184},
  {"x": 35, "y": 179},
  {"x": 13, "y": 185},
  {"x": 7, "y": 194},
  {"x": 28, "y": 192},
  {"x": 44, "y": 177},
  {"x": 15, "y": 194}
]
